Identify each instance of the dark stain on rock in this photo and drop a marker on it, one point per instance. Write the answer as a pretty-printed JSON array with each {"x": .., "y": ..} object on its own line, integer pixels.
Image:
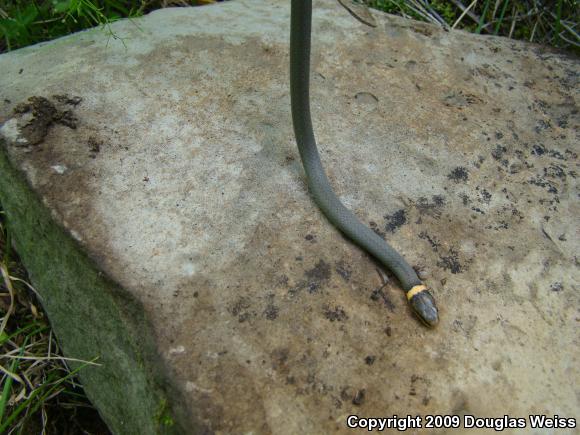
[
  {"x": 465, "y": 200},
  {"x": 242, "y": 310},
  {"x": 271, "y": 312},
  {"x": 67, "y": 99},
  {"x": 432, "y": 241},
  {"x": 315, "y": 278},
  {"x": 317, "y": 275},
  {"x": 379, "y": 295},
  {"x": 515, "y": 168},
  {"x": 419, "y": 386},
  {"x": 479, "y": 162},
  {"x": 451, "y": 262},
  {"x": 538, "y": 150},
  {"x": 413, "y": 389},
  {"x": 335, "y": 314},
  {"x": 542, "y": 125},
  {"x": 459, "y": 174},
  {"x": 35, "y": 128},
  {"x": 501, "y": 225},
  {"x": 347, "y": 393},
  {"x": 377, "y": 230},
  {"x": 94, "y": 145},
  {"x": 460, "y": 99},
  {"x": 359, "y": 397},
  {"x": 279, "y": 359},
  {"x": 555, "y": 154},
  {"x": 395, "y": 220},
  {"x": 498, "y": 153},
  {"x": 431, "y": 208},
  {"x": 344, "y": 270},
  {"x": 539, "y": 181},
  {"x": 568, "y": 154},
  {"x": 484, "y": 195},
  {"x": 554, "y": 171},
  {"x": 283, "y": 280}
]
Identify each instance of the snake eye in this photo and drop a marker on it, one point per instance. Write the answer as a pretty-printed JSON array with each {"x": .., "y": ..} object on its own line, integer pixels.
[{"x": 424, "y": 306}]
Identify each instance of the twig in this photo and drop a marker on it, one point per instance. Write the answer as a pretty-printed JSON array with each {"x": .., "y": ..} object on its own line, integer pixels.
[
  {"x": 517, "y": 17},
  {"x": 13, "y": 278},
  {"x": 558, "y": 20},
  {"x": 465, "y": 12},
  {"x": 495, "y": 7},
  {"x": 11, "y": 374},
  {"x": 566, "y": 26},
  {"x": 575, "y": 44},
  {"x": 418, "y": 9},
  {"x": 434, "y": 13},
  {"x": 534, "y": 30},
  {"x": 513, "y": 22},
  {"x": 46, "y": 358},
  {"x": 51, "y": 20},
  {"x": 8, "y": 284}
]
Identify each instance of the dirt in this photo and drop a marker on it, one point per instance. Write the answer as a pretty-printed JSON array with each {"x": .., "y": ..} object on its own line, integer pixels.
[
  {"x": 459, "y": 174},
  {"x": 37, "y": 115},
  {"x": 395, "y": 221}
]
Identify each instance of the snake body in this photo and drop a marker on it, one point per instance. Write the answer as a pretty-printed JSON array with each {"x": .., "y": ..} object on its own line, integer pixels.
[{"x": 418, "y": 295}]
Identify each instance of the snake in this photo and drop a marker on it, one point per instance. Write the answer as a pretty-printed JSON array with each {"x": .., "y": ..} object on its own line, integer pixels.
[{"x": 418, "y": 294}]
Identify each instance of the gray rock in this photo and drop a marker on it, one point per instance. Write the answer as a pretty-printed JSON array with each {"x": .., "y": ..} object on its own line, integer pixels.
[{"x": 171, "y": 233}]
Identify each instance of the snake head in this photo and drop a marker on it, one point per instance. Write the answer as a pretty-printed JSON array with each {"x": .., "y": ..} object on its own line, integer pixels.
[{"x": 423, "y": 304}]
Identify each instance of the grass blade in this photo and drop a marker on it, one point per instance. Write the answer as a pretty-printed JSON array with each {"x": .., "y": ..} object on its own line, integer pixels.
[
  {"x": 8, "y": 385},
  {"x": 30, "y": 407},
  {"x": 558, "y": 22},
  {"x": 482, "y": 17},
  {"x": 501, "y": 15}
]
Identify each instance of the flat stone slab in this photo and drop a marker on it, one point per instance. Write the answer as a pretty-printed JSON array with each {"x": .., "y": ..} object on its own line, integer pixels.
[{"x": 220, "y": 299}]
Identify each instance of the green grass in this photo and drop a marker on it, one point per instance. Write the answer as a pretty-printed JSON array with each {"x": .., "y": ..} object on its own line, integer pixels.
[
  {"x": 550, "y": 22},
  {"x": 38, "y": 391},
  {"x": 26, "y": 22}
]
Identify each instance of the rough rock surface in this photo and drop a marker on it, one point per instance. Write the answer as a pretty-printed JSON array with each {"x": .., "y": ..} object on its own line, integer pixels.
[{"x": 178, "y": 185}]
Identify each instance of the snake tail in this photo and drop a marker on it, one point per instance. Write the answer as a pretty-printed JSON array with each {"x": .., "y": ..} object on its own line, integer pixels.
[{"x": 419, "y": 297}]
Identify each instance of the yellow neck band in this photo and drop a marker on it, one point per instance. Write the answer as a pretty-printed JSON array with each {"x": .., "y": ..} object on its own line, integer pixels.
[{"x": 416, "y": 289}]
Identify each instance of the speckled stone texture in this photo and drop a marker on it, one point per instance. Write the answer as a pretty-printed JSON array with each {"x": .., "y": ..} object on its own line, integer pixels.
[{"x": 182, "y": 185}]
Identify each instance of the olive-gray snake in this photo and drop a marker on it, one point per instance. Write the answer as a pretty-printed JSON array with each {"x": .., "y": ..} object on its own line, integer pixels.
[{"x": 418, "y": 295}]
